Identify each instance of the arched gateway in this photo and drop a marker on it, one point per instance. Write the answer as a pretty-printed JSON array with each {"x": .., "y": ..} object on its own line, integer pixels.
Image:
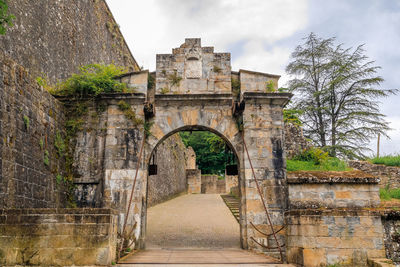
[{"x": 193, "y": 90}]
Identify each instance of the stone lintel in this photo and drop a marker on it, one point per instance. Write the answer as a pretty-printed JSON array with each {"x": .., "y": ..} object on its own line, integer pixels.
[{"x": 331, "y": 177}]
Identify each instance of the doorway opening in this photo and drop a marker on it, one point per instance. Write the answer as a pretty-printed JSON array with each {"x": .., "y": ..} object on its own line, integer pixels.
[{"x": 192, "y": 176}]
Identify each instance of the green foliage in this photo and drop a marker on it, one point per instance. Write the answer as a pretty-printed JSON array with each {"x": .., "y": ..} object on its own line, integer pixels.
[
  {"x": 93, "y": 80},
  {"x": 331, "y": 164},
  {"x": 41, "y": 144},
  {"x": 292, "y": 116},
  {"x": 316, "y": 155},
  {"x": 59, "y": 144},
  {"x": 59, "y": 179},
  {"x": 129, "y": 113},
  {"x": 270, "y": 87},
  {"x": 5, "y": 17},
  {"x": 174, "y": 79},
  {"x": 211, "y": 156},
  {"x": 315, "y": 159},
  {"x": 46, "y": 159},
  {"x": 388, "y": 194},
  {"x": 26, "y": 122},
  {"x": 389, "y": 160},
  {"x": 150, "y": 81},
  {"x": 147, "y": 128},
  {"x": 337, "y": 89},
  {"x": 164, "y": 91},
  {"x": 216, "y": 69},
  {"x": 235, "y": 87}
]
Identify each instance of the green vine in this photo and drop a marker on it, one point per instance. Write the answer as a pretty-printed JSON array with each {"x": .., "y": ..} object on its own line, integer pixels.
[
  {"x": 26, "y": 122},
  {"x": 59, "y": 144},
  {"x": 129, "y": 113},
  {"x": 46, "y": 159}
]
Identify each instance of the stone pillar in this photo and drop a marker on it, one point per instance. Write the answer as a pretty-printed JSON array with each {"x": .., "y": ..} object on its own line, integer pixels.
[
  {"x": 193, "y": 177},
  {"x": 263, "y": 134}
]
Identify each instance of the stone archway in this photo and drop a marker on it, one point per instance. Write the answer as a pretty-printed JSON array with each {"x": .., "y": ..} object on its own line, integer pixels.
[
  {"x": 230, "y": 139},
  {"x": 196, "y": 88}
]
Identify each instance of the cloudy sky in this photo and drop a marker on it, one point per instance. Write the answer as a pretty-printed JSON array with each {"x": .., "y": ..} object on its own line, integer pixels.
[{"x": 261, "y": 34}]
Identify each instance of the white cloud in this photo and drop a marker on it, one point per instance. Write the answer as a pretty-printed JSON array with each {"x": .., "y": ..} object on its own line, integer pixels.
[
  {"x": 152, "y": 27},
  {"x": 256, "y": 57}
]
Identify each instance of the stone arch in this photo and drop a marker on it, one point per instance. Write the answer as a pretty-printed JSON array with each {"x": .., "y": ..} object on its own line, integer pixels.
[{"x": 227, "y": 129}]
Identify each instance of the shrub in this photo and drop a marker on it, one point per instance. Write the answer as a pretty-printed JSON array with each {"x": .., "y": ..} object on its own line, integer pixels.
[
  {"x": 313, "y": 154},
  {"x": 92, "y": 80},
  {"x": 315, "y": 159}
]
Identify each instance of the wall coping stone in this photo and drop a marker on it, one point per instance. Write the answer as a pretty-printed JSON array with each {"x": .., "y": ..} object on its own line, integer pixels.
[
  {"x": 331, "y": 177},
  {"x": 271, "y": 98},
  {"x": 89, "y": 211}
]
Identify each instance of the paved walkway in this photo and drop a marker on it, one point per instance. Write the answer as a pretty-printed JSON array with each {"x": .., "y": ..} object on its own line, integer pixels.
[
  {"x": 194, "y": 230},
  {"x": 192, "y": 221}
]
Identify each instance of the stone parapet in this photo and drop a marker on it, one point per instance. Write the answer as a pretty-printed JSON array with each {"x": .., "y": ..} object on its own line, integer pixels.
[
  {"x": 314, "y": 189},
  {"x": 58, "y": 237}
]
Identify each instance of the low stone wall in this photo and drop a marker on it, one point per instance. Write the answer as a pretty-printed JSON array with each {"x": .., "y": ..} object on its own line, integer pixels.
[
  {"x": 57, "y": 237},
  {"x": 390, "y": 175},
  {"x": 391, "y": 224},
  {"x": 332, "y": 190},
  {"x": 209, "y": 184},
  {"x": 333, "y": 219},
  {"x": 321, "y": 237},
  {"x": 230, "y": 182}
]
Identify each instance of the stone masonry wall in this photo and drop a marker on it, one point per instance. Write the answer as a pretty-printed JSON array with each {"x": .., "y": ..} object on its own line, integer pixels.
[
  {"x": 332, "y": 190},
  {"x": 55, "y": 38},
  {"x": 332, "y": 219},
  {"x": 295, "y": 142},
  {"x": 30, "y": 119},
  {"x": 391, "y": 224},
  {"x": 326, "y": 237},
  {"x": 390, "y": 175},
  {"x": 170, "y": 180},
  {"x": 57, "y": 237},
  {"x": 193, "y": 177}
]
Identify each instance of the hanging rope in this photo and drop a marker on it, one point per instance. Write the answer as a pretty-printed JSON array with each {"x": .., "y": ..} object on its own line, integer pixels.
[
  {"x": 130, "y": 198},
  {"x": 263, "y": 202}
]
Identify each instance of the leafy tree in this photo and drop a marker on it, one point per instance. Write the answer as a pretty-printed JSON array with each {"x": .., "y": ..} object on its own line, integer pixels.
[
  {"x": 5, "y": 17},
  {"x": 211, "y": 155},
  {"x": 337, "y": 90}
]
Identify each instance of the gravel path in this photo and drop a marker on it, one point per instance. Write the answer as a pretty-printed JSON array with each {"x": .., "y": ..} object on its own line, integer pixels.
[{"x": 192, "y": 221}]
